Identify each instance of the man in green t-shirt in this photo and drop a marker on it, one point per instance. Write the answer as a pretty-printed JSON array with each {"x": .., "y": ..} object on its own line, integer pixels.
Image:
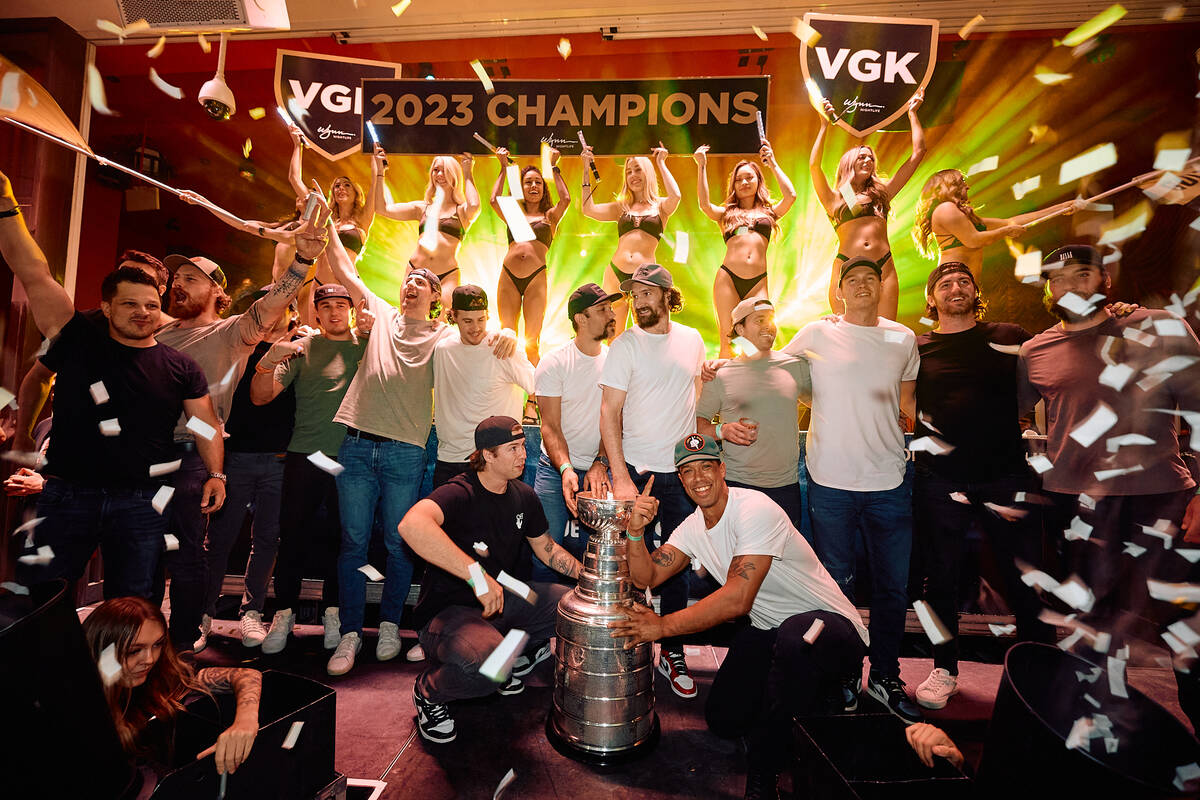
[{"x": 321, "y": 368}]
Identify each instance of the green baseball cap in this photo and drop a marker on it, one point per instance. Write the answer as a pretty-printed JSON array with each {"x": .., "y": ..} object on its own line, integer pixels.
[{"x": 696, "y": 447}]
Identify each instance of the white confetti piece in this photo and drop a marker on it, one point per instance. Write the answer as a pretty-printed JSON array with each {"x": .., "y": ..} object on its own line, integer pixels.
[
  {"x": 959, "y": 497},
  {"x": 1167, "y": 535},
  {"x": 512, "y": 174},
  {"x": 1114, "y": 443},
  {"x": 95, "y": 88},
  {"x": 1128, "y": 226},
  {"x": 108, "y": 26},
  {"x": 202, "y": 40},
  {"x": 1172, "y": 158},
  {"x": 1116, "y": 376},
  {"x": 1091, "y": 676},
  {"x": 928, "y": 323},
  {"x": 1132, "y": 549},
  {"x": 1040, "y": 463},
  {"x": 171, "y": 541},
  {"x": 564, "y": 48},
  {"x": 98, "y": 392},
  {"x": 10, "y": 91},
  {"x": 429, "y": 235},
  {"x": 805, "y": 32},
  {"x": 15, "y": 587},
  {"x": 515, "y": 218},
  {"x": 1048, "y": 77},
  {"x": 1002, "y": 630},
  {"x": 1087, "y": 163},
  {"x": 1076, "y": 304},
  {"x": 508, "y": 778},
  {"x": 325, "y": 463},
  {"x": 1080, "y": 735},
  {"x": 965, "y": 30},
  {"x": 1069, "y": 642},
  {"x": 201, "y": 428},
  {"x": 400, "y": 7},
  {"x": 483, "y": 76},
  {"x": 159, "y": 46},
  {"x": 1173, "y": 327},
  {"x": 1176, "y": 645},
  {"x": 1091, "y": 700},
  {"x": 1086, "y": 501},
  {"x": 110, "y": 427},
  {"x": 161, "y": 498},
  {"x": 165, "y": 468},
  {"x": 1144, "y": 339},
  {"x": 1111, "y": 743},
  {"x": 1022, "y": 188},
  {"x": 895, "y": 337},
  {"x": 371, "y": 573},
  {"x": 516, "y": 586},
  {"x": 758, "y": 32},
  {"x": 1007, "y": 349},
  {"x": 477, "y": 579},
  {"x": 1075, "y": 594},
  {"x": 1190, "y": 553},
  {"x": 110, "y": 668},
  {"x": 1162, "y": 187},
  {"x": 814, "y": 631},
  {"x": 1095, "y": 426},
  {"x": 681, "y": 247},
  {"x": 743, "y": 344},
  {"x": 986, "y": 165},
  {"x": 481, "y": 548},
  {"x": 293, "y": 735},
  {"x": 849, "y": 196},
  {"x": 1109, "y": 474},
  {"x": 1028, "y": 266},
  {"x": 1185, "y": 775},
  {"x": 498, "y": 665},
  {"x": 1174, "y": 592},
  {"x": 933, "y": 626},
  {"x": 44, "y": 555},
  {"x": 27, "y": 529},
  {"x": 1102, "y": 642},
  {"x": 1184, "y": 633},
  {"x": 1077, "y": 530},
  {"x": 164, "y": 87},
  {"x": 931, "y": 445}
]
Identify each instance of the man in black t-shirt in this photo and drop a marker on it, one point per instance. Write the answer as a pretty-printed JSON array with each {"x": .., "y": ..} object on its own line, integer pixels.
[
  {"x": 970, "y": 463},
  {"x": 489, "y": 512}
]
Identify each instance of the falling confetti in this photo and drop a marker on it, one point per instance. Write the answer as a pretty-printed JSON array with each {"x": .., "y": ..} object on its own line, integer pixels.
[
  {"x": 1100, "y": 157},
  {"x": 1022, "y": 188},
  {"x": 98, "y": 392},
  {"x": 257, "y": 113},
  {"x": 171, "y": 541},
  {"x": 508, "y": 778},
  {"x": 1049, "y": 77},
  {"x": 1093, "y": 26},
  {"x": 965, "y": 30},
  {"x": 986, "y": 165},
  {"x": 293, "y": 734},
  {"x": 401, "y": 7},
  {"x": 325, "y": 463},
  {"x": 1039, "y": 132},
  {"x": 95, "y": 86},
  {"x": 164, "y": 87},
  {"x": 805, "y": 32},
  {"x": 109, "y": 26},
  {"x": 201, "y": 428},
  {"x": 515, "y": 218},
  {"x": 758, "y": 32},
  {"x": 564, "y": 48},
  {"x": 934, "y": 629},
  {"x": 498, "y": 665},
  {"x": 517, "y": 587},
  {"x": 371, "y": 573},
  {"x": 814, "y": 631},
  {"x": 477, "y": 579},
  {"x": 110, "y": 668},
  {"x": 110, "y": 427},
  {"x": 483, "y": 76},
  {"x": 246, "y": 148},
  {"x": 161, "y": 498},
  {"x": 681, "y": 247},
  {"x": 481, "y": 548},
  {"x": 157, "y": 50},
  {"x": 204, "y": 45},
  {"x": 1002, "y": 630},
  {"x": 1128, "y": 225}
]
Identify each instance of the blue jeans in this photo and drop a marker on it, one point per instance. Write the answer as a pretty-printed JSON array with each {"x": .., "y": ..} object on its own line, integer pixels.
[
  {"x": 77, "y": 518},
  {"x": 886, "y": 521},
  {"x": 673, "y": 507},
  {"x": 547, "y": 483},
  {"x": 255, "y": 484},
  {"x": 388, "y": 475},
  {"x": 186, "y": 565}
]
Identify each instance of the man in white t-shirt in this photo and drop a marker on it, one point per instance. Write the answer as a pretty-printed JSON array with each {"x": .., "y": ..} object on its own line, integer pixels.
[
  {"x": 864, "y": 371},
  {"x": 470, "y": 384},
  {"x": 650, "y": 382},
  {"x": 568, "y": 391},
  {"x": 803, "y": 634}
]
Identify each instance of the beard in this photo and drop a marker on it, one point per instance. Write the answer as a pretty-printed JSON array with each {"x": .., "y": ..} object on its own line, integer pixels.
[
  {"x": 609, "y": 329},
  {"x": 649, "y": 317},
  {"x": 184, "y": 307}
]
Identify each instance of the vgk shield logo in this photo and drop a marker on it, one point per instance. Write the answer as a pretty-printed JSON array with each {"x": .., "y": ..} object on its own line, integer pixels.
[
  {"x": 869, "y": 67},
  {"x": 323, "y": 96}
]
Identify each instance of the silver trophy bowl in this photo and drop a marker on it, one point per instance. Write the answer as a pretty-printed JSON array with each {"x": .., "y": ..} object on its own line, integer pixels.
[{"x": 603, "y": 694}]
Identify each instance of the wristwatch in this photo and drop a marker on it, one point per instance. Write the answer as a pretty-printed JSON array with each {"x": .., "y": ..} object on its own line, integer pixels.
[
  {"x": 306, "y": 261},
  {"x": 603, "y": 461},
  {"x": 221, "y": 476}
]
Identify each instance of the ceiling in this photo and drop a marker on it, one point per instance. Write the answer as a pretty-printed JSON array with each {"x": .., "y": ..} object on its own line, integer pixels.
[{"x": 373, "y": 20}]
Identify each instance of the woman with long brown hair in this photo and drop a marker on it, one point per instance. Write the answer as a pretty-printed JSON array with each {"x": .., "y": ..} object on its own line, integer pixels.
[
  {"x": 859, "y": 202},
  {"x": 641, "y": 217},
  {"x": 521, "y": 290},
  {"x": 150, "y": 681},
  {"x": 948, "y": 227},
  {"x": 747, "y": 217},
  {"x": 353, "y": 210}
]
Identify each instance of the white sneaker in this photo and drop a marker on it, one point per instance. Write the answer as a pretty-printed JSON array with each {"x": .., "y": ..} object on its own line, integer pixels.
[
  {"x": 937, "y": 689},
  {"x": 281, "y": 626},
  {"x": 253, "y": 630},
  {"x": 417, "y": 653},
  {"x": 342, "y": 660},
  {"x": 333, "y": 627},
  {"x": 388, "y": 645},
  {"x": 205, "y": 629}
]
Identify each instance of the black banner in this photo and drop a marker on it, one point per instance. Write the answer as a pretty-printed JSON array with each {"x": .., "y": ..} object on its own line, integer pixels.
[
  {"x": 868, "y": 67},
  {"x": 616, "y": 117},
  {"x": 323, "y": 97}
]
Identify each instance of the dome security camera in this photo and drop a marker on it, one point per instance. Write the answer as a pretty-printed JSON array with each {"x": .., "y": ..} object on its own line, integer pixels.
[{"x": 215, "y": 94}]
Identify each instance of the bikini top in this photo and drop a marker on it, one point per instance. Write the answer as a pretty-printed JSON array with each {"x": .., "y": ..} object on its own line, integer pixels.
[
  {"x": 451, "y": 226},
  {"x": 646, "y": 223},
  {"x": 541, "y": 230},
  {"x": 846, "y": 213},
  {"x": 351, "y": 240},
  {"x": 761, "y": 225},
  {"x": 954, "y": 242}
]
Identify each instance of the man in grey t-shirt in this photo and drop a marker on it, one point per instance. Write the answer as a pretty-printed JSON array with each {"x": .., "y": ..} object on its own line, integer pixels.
[{"x": 756, "y": 396}]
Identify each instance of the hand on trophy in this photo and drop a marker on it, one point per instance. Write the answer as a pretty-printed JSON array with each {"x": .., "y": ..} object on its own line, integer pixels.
[{"x": 640, "y": 626}]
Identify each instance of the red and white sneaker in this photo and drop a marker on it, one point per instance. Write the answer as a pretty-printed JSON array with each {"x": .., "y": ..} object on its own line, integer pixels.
[{"x": 672, "y": 664}]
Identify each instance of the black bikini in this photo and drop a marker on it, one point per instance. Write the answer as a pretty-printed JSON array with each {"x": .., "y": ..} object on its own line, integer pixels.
[
  {"x": 626, "y": 223},
  {"x": 523, "y": 283},
  {"x": 743, "y": 286},
  {"x": 451, "y": 226},
  {"x": 541, "y": 230},
  {"x": 954, "y": 242},
  {"x": 351, "y": 240},
  {"x": 846, "y": 213},
  {"x": 761, "y": 225}
]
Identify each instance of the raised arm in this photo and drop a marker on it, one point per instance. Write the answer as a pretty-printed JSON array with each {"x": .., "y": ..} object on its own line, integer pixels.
[
  {"x": 560, "y": 185},
  {"x": 473, "y": 204},
  {"x": 666, "y": 206},
  {"x": 233, "y": 745},
  {"x": 260, "y": 318},
  {"x": 422, "y": 529},
  {"x": 785, "y": 183},
  {"x": 51, "y": 305},
  {"x": 295, "y": 166},
  {"x": 646, "y": 569},
  {"x": 902, "y": 176},
  {"x": 498, "y": 186},
  {"x": 601, "y": 212},
  {"x": 949, "y": 218},
  {"x": 1068, "y": 206},
  {"x": 820, "y": 183},
  {"x": 714, "y": 212}
]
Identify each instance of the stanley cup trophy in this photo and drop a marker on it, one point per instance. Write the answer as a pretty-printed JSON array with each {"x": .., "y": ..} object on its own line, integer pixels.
[{"x": 603, "y": 694}]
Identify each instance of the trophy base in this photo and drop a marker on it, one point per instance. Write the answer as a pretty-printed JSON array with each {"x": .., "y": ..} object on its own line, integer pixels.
[{"x": 601, "y": 758}]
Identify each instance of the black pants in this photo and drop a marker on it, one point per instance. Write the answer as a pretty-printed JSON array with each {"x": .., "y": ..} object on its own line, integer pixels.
[
  {"x": 309, "y": 537},
  {"x": 769, "y": 676},
  {"x": 940, "y": 529},
  {"x": 445, "y": 470}
]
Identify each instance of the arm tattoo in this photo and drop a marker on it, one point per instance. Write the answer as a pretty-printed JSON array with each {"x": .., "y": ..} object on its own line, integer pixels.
[
  {"x": 742, "y": 567},
  {"x": 549, "y": 548},
  {"x": 563, "y": 562},
  {"x": 664, "y": 558},
  {"x": 282, "y": 292},
  {"x": 245, "y": 684}
]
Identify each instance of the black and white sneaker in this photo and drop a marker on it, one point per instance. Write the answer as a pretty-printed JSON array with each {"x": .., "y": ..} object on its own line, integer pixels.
[
  {"x": 514, "y": 686},
  {"x": 889, "y": 690},
  {"x": 850, "y": 688},
  {"x": 433, "y": 720},
  {"x": 525, "y": 664}
]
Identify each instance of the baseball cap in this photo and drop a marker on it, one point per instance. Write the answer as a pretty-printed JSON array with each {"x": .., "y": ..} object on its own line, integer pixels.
[
  {"x": 587, "y": 296},
  {"x": 205, "y": 265},
  {"x": 468, "y": 298},
  {"x": 329, "y": 290},
  {"x": 696, "y": 447},
  {"x": 1072, "y": 254},
  {"x": 942, "y": 270},
  {"x": 434, "y": 281},
  {"x": 649, "y": 274},
  {"x": 858, "y": 261},
  {"x": 749, "y": 306},
  {"x": 495, "y": 431}
]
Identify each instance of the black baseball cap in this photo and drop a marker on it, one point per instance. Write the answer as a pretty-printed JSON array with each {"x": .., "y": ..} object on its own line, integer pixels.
[
  {"x": 468, "y": 298},
  {"x": 587, "y": 296},
  {"x": 495, "y": 431},
  {"x": 1072, "y": 254},
  {"x": 651, "y": 275},
  {"x": 948, "y": 268},
  {"x": 858, "y": 261},
  {"x": 328, "y": 291},
  {"x": 434, "y": 281}
]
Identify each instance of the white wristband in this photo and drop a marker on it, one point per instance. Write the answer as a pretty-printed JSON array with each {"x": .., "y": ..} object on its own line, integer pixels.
[
  {"x": 477, "y": 580},
  {"x": 718, "y": 432}
]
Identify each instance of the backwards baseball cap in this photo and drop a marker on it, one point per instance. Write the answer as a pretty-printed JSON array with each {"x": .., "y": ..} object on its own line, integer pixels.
[
  {"x": 468, "y": 298},
  {"x": 587, "y": 296},
  {"x": 858, "y": 261},
  {"x": 207, "y": 266},
  {"x": 495, "y": 431},
  {"x": 649, "y": 274},
  {"x": 948, "y": 268},
  {"x": 434, "y": 281},
  {"x": 1072, "y": 254},
  {"x": 749, "y": 306},
  {"x": 696, "y": 447},
  {"x": 328, "y": 291}
]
